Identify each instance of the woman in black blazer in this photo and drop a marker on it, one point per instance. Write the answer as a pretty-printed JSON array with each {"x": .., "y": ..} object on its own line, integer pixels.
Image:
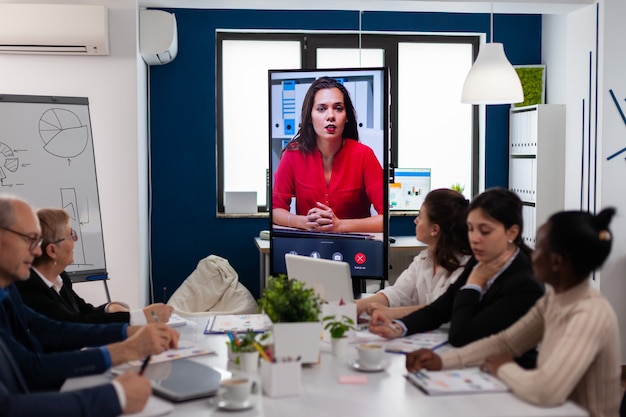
[
  {"x": 49, "y": 288},
  {"x": 496, "y": 288}
]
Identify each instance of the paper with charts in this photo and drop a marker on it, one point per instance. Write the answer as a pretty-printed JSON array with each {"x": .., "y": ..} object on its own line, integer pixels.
[
  {"x": 427, "y": 340},
  {"x": 257, "y": 323},
  {"x": 456, "y": 381},
  {"x": 185, "y": 350}
]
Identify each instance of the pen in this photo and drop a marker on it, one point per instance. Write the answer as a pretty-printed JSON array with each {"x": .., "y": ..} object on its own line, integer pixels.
[
  {"x": 390, "y": 325},
  {"x": 261, "y": 352},
  {"x": 144, "y": 365},
  {"x": 422, "y": 374}
]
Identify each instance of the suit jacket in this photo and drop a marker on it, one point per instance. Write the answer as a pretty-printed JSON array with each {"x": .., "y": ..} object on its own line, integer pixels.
[
  {"x": 65, "y": 305},
  {"x": 473, "y": 317},
  {"x": 16, "y": 400},
  {"x": 31, "y": 338}
]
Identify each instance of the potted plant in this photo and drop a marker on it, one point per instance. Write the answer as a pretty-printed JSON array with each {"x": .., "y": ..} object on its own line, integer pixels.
[
  {"x": 244, "y": 350},
  {"x": 338, "y": 329},
  {"x": 294, "y": 310}
]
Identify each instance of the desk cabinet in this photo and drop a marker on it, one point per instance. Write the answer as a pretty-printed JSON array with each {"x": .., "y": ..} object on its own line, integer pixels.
[{"x": 537, "y": 162}]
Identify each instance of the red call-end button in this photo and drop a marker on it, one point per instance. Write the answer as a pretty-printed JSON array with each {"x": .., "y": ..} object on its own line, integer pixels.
[{"x": 360, "y": 258}]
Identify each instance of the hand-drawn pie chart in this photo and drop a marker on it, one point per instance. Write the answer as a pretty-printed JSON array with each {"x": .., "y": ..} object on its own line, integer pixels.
[
  {"x": 62, "y": 132},
  {"x": 8, "y": 160}
]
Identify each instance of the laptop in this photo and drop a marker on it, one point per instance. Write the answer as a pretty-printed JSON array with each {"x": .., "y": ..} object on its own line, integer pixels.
[
  {"x": 183, "y": 379},
  {"x": 331, "y": 280}
]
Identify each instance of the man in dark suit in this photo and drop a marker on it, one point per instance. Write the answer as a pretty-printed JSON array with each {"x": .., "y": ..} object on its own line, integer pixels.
[
  {"x": 101, "y": 401},
  {"x": 30, "y": 337}
]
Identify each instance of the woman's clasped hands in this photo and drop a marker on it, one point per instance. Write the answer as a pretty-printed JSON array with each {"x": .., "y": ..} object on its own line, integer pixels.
[{"x": 321, "y": 218}]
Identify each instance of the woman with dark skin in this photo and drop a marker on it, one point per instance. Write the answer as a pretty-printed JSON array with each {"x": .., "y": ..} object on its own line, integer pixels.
[{"x": 580, "y": 358}]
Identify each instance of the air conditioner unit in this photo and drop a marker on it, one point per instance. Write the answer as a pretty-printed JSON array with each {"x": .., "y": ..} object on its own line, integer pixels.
[
  {"x": 65, "y": 29},
  {"x": 158, "y": 37}
]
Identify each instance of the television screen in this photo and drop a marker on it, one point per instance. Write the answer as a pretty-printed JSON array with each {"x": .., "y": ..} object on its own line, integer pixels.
[
  {"x": 329, "y": 167},
  {"x": 408, "y": 188}
]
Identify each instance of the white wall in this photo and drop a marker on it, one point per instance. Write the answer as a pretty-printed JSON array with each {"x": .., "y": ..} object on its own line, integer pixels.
[
  {"x": 567, "y": 42},
  {"x": 613, "y": 133},
  {"x": 118, "y": 119}
]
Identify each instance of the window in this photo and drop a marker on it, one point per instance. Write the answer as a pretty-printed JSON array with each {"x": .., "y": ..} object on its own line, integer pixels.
[{"x": 432, "y": 129}]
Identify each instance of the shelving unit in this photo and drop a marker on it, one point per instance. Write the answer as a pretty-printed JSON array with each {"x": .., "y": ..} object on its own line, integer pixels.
[{"x": 537, "y": 162}]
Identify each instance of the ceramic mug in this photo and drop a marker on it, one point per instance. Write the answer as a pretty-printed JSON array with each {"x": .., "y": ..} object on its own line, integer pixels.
[
  {"x": 370, "y": 354},
  {"x": 236, "y": 390}
]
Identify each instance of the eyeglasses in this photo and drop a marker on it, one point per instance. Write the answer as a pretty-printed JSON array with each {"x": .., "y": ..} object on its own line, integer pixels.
[
  {"x": 73, "y": 236},
  {"x": 33, "y": 241}
]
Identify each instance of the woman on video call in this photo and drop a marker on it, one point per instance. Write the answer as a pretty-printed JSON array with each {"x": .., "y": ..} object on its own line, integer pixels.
[{"x": 334, "y": 178}]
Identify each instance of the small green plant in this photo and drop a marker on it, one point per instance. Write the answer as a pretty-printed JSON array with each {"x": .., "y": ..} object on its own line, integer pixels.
[
  {"x": 338, "y": 328},
  {"x": 287, "y": 300},
  {"x": 458, "y": 187},
  {"x": 242, "y": 343}
]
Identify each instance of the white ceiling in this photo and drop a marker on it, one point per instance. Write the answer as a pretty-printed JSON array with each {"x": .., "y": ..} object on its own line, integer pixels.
[{"x": 464, "y": 6}]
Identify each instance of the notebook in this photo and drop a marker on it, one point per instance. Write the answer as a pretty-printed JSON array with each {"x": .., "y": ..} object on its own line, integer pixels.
[
  {"x": 227, "y": 323},
  {"x": 183, "y": 380},
  {"x": 457, "y": 381},
  {"x": 331, "y": 280}
]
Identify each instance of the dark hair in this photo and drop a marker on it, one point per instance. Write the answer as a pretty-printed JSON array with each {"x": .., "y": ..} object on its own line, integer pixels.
[
  {"x": 447, "y": 208},
  {"x": 581, "y": 237},
  {"x": 505, "y": 207},
  {"x": 305, "y": 138}
]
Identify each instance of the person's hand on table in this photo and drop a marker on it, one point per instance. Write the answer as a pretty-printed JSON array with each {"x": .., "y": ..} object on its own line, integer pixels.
[
  {"x": 423, "y": 359},
  {"x": 116, "y": 307},
  {"x": 382, "y": 326},
  {"x": 383, "y": 309},
  {"x": 160, "y": 310},
  {"x": 320, "y": 218},
  {"x": 494, "y": 362},
  {"x": 151, "y": 339},
  {"x": 137, "y": 389}
]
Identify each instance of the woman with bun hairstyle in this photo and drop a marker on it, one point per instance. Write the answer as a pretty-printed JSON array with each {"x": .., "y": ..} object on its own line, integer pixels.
[{"x": 580, "y": 357}]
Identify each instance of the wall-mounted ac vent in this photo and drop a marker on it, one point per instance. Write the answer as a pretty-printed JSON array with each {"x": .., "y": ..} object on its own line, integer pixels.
[{"x": 66, "y": 29}]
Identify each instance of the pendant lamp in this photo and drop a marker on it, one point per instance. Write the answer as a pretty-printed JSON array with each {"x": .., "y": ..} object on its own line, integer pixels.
[{"x": 492, "y": 79}]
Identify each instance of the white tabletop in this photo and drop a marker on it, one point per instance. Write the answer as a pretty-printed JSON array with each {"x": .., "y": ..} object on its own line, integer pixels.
[{"x": 385, "y": 393}]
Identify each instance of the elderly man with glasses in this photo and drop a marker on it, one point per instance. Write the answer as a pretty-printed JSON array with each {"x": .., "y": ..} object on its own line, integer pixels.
[{"x": 79, "y": 349}]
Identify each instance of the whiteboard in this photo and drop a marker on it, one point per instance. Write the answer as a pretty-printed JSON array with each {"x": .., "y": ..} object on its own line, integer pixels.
[{"x": 47, "y": 158}]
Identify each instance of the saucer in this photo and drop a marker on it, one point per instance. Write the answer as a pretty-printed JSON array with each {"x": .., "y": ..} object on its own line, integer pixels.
[
  {"x": 232, "y": 405},
  {"x": 355, "y": 364}
]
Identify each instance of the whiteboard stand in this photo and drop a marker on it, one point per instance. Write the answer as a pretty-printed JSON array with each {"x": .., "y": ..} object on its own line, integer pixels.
[{"x": 104, "y": 278}]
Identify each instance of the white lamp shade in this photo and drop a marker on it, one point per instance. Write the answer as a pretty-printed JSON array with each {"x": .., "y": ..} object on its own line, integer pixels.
[{"x": 492, "y": 79}]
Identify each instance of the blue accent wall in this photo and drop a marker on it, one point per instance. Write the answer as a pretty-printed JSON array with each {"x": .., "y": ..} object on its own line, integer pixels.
[{"x": 185, "y": 228}]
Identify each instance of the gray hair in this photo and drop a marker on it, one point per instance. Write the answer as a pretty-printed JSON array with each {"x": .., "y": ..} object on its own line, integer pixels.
[{"x": 7, "y": 212}]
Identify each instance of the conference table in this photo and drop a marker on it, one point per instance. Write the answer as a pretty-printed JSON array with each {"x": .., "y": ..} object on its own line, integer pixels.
[{"x": 385, "y": 393}]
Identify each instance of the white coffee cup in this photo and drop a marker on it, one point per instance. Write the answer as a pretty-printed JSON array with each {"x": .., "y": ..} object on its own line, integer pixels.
[
  {"x": 236, "y": 390},
  {"x": 370, "y": 354}
]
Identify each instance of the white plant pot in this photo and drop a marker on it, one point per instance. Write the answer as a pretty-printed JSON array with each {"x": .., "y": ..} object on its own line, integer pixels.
[
  {"x": 297, "y": 340},
  {"x": 249, "y": 361},
  {"x": 339, "y": 345}
]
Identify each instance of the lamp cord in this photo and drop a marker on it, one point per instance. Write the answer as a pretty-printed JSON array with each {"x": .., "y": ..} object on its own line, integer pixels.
[
  {"x": 360, "y": 50},
  {"x": 491, "y": 23}
]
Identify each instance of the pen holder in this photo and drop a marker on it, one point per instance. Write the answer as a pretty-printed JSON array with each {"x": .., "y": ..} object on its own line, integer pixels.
[{"x": 281, "y": 379}]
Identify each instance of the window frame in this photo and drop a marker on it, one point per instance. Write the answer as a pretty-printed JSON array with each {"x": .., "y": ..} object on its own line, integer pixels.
[{"x": 309, "y": 43}]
